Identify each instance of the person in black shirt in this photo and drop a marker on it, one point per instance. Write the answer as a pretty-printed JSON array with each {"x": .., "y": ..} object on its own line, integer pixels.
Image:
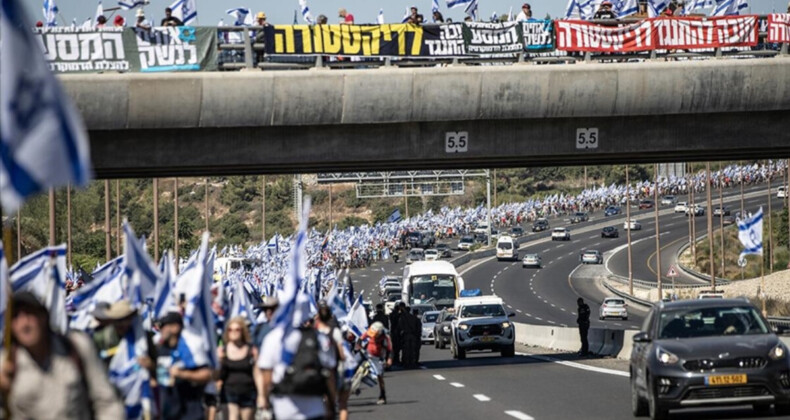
[
  {"x": 583, "y": 319},
  {"x": 397, "y": 344},
  {"x": 170, "y": 20},
  {"x": 605, "y": 12},
  {"x": 380, "y": 317}
]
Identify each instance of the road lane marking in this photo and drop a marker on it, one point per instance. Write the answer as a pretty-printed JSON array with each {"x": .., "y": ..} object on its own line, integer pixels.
[
  {"x": 528, "y": 314},
  {"x": 439, "y": 377},
  {"x": 509, "y": 306},
  {"x": 539, "y": 318},
  {"x": 575, "y": 365},
  {"x": 519, "y": 415},
  {"x": 481, "y": 397},
  {"x": 457, "y": 385},
  {"x": 518, "y": 310}
]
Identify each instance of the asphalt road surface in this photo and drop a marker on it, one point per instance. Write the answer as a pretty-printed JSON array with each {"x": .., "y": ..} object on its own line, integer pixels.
[{"x": 535, "y": 386}]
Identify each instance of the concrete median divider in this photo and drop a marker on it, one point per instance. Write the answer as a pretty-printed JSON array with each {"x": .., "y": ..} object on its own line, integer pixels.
[{"x": 603, "y": 341}]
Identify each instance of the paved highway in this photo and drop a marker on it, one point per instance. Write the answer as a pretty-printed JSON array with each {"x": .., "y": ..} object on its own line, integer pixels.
[{"x": 534, "y": 386}]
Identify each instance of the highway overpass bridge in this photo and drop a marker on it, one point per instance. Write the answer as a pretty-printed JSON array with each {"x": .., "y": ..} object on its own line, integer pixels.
[{"x": 443, "y": 117}]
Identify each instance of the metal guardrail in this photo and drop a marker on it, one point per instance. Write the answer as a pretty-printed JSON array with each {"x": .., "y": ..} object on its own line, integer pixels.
[
  {"x": 626, "y": 296},
  {"x": 247, "y": 54},
  {"x": 694, "y": 273}
]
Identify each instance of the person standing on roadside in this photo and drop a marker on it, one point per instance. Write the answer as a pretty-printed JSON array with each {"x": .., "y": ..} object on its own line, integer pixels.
[
  {"x": 52, "y": 376},
  {"x": 583, "y": 319},
  {"x": 381, "y": 317},
  {"x": 397, "y": 344}
]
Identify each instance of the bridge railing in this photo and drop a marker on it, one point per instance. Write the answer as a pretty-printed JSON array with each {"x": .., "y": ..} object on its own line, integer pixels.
[{"x": 248, "y": 51}]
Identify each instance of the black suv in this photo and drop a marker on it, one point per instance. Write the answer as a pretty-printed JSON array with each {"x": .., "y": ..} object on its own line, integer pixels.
[
  {"x": 540, "y": 225},
  {"x": 443, "y": 330},
  {"x": 696, "y": 353}
]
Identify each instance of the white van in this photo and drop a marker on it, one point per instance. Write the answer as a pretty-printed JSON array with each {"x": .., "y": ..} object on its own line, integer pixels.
[{"x": 506, "y": 248}]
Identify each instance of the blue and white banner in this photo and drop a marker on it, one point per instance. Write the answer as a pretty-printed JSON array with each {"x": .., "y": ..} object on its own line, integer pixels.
[
  {"x": 43, "y": 274},
  {"x": 625, "y": 8},
  {"x": 185, "y": 10},
  {"x": 43, "y": 143},
  {"x": 50, "y": 13},
  {"x": 131, "y": 4},
  {"x": 656, "y": 7},
  {"x": 306, "y": 15},
  {"x": 451, "y": 4},
  {"x": 750, "y": 233}
]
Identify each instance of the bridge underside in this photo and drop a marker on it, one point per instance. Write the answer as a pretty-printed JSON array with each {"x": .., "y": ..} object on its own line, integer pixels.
[{"x": 422, "y": 145}]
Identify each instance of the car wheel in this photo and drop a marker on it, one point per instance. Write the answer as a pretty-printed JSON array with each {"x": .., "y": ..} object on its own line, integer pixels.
[
  {"x": 638, "y": 404},
  {"x": 656, "y": 410},
  {"x": 509, "y": 351}
]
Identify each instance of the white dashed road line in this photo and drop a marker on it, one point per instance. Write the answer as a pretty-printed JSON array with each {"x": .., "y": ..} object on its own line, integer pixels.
[
  {"x": 481, "y": 397},
  {"x": 439, "y": 377},
  {"x": 457, "y": 385},
  {"x": 519, "y": 415},
  {"x": 575, "y": 365},
  {"x": 518, "y": 310}
]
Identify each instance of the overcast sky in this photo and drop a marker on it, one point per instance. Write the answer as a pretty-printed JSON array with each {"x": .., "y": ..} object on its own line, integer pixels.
[{"x": 364, "y": 11}]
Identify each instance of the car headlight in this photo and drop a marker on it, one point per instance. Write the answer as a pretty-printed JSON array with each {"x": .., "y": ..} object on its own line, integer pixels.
[
  {"x": 778, "y": 352},
  {"x": 505, "y": 324},
  {"x": 446, "y": 329},
  {"x": 665, "y": 357},
  {"x": 463, "y": 327}
]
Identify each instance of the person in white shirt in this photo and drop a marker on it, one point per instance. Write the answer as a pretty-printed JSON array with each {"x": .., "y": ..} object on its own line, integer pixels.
[{"x": 525, "y": 14}]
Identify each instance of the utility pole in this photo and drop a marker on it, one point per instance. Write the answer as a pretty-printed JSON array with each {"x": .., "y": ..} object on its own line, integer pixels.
[
  {"x": 206, "y": 197},
  {"x": 495, "y": 190},
  {"x": 721, "y": 220},
  {"x": 770, "y": 230},
  {"x": 658, "y": 235},
  {"x": 710, "y": 227},
  {"x": 118, "y": 216},
  {"x": 263, "y": 208},
  {"x": 52, "y": 238},
  {"x": 628, "y": 231},
  {"x": 68, "y": 224},
  {"x": 740, "y": 169},
  {"x": 488, "y": 205},
  {"x": 107, "y": 239},
  {"x": 585, "y": 177},
  {"x": 330, "y": 207},
  {"x": 156, "y": 220},
  {"x": 175, "y": 220},
  {"x": 18, "y": 235}
]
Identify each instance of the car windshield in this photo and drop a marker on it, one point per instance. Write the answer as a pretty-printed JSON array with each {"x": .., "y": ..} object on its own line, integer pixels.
[
  {"x": 393, "y": 297},
  {"x": 618, "y": 302},
  {"x": 559, "y": 230},
  {"x": 474, "y": 311},
  {"x": 708, "y": 322},
  {"x": 430, "y": 317},
  {"x": 434, "y": 288},
  {"x": 591, "y": 254},
  {"x": 467, "y": 239},
  {"x": 415, "y": 254},
  {"x": 441, "y": 246}
]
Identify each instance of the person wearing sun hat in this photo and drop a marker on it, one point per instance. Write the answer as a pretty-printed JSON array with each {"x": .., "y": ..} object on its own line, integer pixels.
[
  {"x": 113, "y": 321},
  {"x": 142, "y": 22}
]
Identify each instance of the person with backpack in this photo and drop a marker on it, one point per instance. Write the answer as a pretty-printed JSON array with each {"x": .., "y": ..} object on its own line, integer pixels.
[
  {"x": 52, "y": 376},
  {"x": 237, "y": 370},
  {"x": 379, "y": 348},
  {"x": 300, "y": 384}
]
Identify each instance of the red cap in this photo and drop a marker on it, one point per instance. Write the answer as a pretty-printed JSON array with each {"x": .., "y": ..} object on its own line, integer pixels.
[{"x": 119, "y": 20}]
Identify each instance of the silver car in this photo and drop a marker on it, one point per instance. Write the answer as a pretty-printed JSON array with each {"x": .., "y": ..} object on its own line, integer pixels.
[
  {"x": 416, "y": 254},
  {"x": 531, "y": 260},
  {"x": 613, "y": 307},
  {"x": 428, "y": 323}
]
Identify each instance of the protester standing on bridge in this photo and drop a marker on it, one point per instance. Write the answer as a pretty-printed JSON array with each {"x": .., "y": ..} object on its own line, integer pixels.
[
  {"x": 525, "y": 13},
  {"x": 51, "y": 376},
  {"x": 583, "y": 319},
  {"x": 169, "y": 19},
  {"x": 605, "y": 11},
  {"x": 142, "y": 22},
  {"x": 348, "y": 18}
]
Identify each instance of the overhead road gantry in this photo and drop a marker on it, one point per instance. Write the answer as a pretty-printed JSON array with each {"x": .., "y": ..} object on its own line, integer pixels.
[{"x": 433, "y": 118}]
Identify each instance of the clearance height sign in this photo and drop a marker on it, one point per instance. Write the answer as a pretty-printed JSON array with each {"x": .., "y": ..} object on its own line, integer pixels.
[{"x": 406, "y": 40}]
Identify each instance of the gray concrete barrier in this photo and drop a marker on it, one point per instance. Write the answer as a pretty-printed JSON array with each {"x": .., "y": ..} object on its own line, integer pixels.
[{"x": 603, "y": 341}]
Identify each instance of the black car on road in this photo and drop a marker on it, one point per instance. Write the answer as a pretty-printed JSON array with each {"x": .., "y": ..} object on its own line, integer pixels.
[
  {"x": 444, "y": 250},
  {"x": 708, "y": 352},
  {"x": 540, "y": 225},
  {"x": 610, "y": 232},
  {"x": 443, "y": 330},
  {"x": 611, "y": 211},
  {"x": 580, "y": 216}
]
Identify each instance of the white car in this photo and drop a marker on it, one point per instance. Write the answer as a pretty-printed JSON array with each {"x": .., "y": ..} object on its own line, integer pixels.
[
  {"x": 632, "y": 225},
  {"x": 681, "y": 207},
  {"x": 466, "y": 243},
  {"x": 668, "y": 200},
  {"x": 506, "y": 248},
  {"x": 560, "y": 234},
  {"x": 416, "y": 254},
  {"x": 592, "y": 257},
  {"x": 428, "y": 325},
  {"x": 531, "y": 260},
  {"x": 431, "y": 255},
  {"x": 481, "y": 323},
  {"x": 613, "y": 307},
  {"x": 781, "y": 192}
]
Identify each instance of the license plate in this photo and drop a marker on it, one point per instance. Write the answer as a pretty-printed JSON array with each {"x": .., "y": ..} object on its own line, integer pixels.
[
  {"x": 725, "y": 380},
  {"x": 487, "y": 339}
]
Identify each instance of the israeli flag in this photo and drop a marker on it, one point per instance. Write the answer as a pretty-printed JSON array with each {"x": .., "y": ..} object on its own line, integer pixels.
[
  {"x": 306, "y": 15},
  {"x": 698, "y": 4},
  {"x": 186, "y": 10},
  {"x": 406, "y": 16},
  {"x": 43, "y": 143},
  {"x": 99, "y": 12},
  {"x": 50, "y": 13},
  {"x": 43, "y": 274},
  {"x": 451, "y": 4},
  {"x": 623, "y": 8},
  {"x": 131, "y": 4},
  {"x": 750, "y": 233},
  {"x": 105, "y": 289},
  {"x": 164, "y": 301},
  {"x": 434, "y": 6},
  {"x": 494, "y": 17},
  {"x": 357, "y": 320},
  {"x": 198, "y": 344},
  {"x": 5, "y": 290},
  {"x": 472, "y": 9},
  {"x": 730, "y": 7},
  {"x": 141, "y": 273},
  {"x": 242, "y": 15},
  {"x": 655, "y": 7},
  {"x": 126, "y": 374},
  {"x": 380, "y": 17},
  {"x": 573, "y": 10}
]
